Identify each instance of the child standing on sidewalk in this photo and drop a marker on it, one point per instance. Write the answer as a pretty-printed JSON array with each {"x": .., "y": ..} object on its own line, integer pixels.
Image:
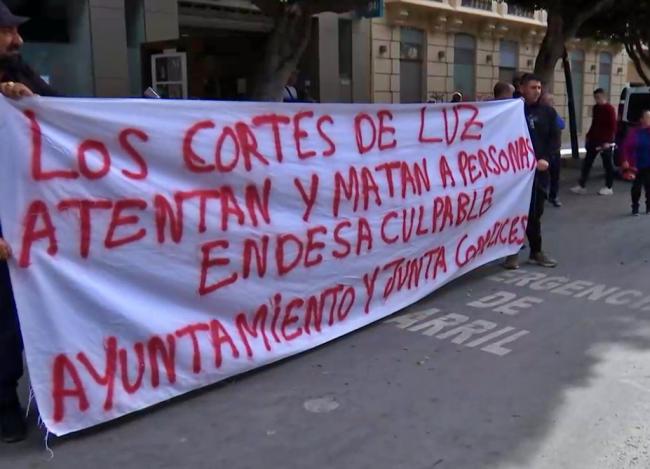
[{"x": 636, "y": 153}]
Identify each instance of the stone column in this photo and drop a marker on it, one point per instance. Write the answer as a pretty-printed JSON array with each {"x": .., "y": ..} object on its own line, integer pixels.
[{"x": 110, "y": 60}]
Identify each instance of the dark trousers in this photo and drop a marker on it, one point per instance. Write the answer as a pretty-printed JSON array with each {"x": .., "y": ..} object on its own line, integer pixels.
[
  {"x": 608, "y": 164},
  {"x": 534, "y": 228},
  {"x": 554, "y": 173},
  {"x": 642, "y": 180},
  {"x": 11, "y": 345}
]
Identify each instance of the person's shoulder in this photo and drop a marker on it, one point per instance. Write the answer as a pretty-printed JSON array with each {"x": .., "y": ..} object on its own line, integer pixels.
[{"x": 548, "y": 110}]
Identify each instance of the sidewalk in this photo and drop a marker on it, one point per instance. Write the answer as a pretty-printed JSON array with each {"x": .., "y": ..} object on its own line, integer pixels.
[{"x": 566, "y": 152}]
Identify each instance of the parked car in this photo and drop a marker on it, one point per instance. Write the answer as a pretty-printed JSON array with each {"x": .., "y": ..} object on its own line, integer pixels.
[{"x": 634, "y": 99}]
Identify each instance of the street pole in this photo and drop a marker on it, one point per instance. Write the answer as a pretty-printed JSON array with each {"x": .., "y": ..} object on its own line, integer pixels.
[{"x": 573, "y": 124}]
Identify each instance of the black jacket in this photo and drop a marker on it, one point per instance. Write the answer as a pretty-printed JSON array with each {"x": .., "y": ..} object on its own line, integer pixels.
[
  {"x": 15, "y": 69},
  {"x": 544, "y": 133}
]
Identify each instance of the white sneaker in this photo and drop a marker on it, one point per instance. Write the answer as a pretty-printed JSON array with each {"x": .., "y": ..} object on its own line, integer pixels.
[
  {"x": 579, "y": 190},
  {"x": 606, "y": 191}
]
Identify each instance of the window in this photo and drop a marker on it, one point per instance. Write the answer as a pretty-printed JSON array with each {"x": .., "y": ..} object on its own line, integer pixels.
[
  {"x": 605, "y": 72},
  {"x": 465, "y": 66},
  {"x": 345, "y": 49},
  {"x": 169, "y": 72},
  {"x": 577, "y": 58},
  {"x": 411, "y": 69},
  {"x": 508, "y": 62}
]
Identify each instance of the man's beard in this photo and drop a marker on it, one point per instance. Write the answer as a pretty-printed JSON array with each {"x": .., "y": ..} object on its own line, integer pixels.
[{"x": 10, "y": 60}]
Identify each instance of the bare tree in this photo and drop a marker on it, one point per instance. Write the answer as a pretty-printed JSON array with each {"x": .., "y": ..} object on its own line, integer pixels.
[
  {"x": 565, "y": 18},
  {"x": 625, "y": 23}
]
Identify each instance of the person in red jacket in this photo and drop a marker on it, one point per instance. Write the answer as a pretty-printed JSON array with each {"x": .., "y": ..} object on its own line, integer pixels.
[{"x": 599, "y": 140}]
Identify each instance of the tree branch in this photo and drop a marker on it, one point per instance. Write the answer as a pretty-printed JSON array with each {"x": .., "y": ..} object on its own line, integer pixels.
[
  {"x": 306, "y": 36},
  {"x": 269, "y": 7},
  {"x": 637, "y": 62},
  {"x": 640, "y": 52},
  {"x": 585, "y": 14}
]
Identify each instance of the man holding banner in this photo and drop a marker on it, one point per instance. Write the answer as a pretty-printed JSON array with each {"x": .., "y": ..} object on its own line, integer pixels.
[
  {"x": 541, "y": 120},
  {"x": 16, "y": 80}
]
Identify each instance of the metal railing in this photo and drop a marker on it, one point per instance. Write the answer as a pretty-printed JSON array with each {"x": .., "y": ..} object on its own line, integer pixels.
[
  {"x": 478, "y": 4},
  {"x": 517, "y": 10}
]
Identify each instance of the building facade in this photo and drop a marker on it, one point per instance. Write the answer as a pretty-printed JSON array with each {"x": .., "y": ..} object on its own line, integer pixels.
[
  {"x": 185, "y": 48},
  {"x": 420, "y": 50},
  {"x": 634, "y": 76},
  {"x": 428, "y": 49},
  {"x": 92, "y": 47}
]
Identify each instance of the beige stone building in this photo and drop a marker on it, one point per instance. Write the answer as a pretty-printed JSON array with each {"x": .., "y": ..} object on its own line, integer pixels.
[
  {"x": 633, "y": 74},
  {"x": 419, "y": 50},
  {"x": 427, "y": 49}
]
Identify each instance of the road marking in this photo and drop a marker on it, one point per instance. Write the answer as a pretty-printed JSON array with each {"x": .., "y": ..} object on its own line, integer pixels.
[
  {"x": 434, "y": 326},
  {"x": 497, "y": 347},
  {"x": 580, "y": 289},
  {"x": 459, "y": 329},
  {"x": 505, "y": 303},
  {"x": 407, "y": 320},
  {"x": 491, "y": 336}
]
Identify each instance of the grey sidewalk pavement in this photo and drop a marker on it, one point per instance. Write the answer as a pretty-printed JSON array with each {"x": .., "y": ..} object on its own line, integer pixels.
[{"x": 566, "y": 384}]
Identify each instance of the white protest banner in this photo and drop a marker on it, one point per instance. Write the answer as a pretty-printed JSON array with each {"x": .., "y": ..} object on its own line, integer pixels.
[{"x": 161, "y": 246}]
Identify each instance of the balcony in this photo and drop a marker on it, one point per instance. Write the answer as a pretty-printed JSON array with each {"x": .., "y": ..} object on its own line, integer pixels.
[
  {"x": 478, "y": 4},
  {"x": 517, "y": 10},
  {"x": 451, "y": 13}
]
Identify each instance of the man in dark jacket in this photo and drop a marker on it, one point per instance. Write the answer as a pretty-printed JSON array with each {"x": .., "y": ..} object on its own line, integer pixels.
[
  {"x": 542, "y": 125},
  {"x": 17, "y": 80}
]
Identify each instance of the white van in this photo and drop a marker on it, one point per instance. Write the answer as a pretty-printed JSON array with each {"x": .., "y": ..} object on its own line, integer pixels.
[{"x": 634, "y": 99}]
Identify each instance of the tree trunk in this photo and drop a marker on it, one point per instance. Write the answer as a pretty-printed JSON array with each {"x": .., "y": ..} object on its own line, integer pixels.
[
  {"x": 573, "y": 122},
  {"x": 563, "y": 24},
  {"x": 285, "y": 47},
  {"x": 551, "y": 50}
]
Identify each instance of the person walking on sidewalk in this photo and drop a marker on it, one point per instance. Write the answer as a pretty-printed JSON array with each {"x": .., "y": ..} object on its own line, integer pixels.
[
  {"x": 599, "y": 140},
  {"x": 17, "y": 80},
  {"x": 542, "y": 125},
  {"x": 547, "y": 99},
  {"x": 636, "y": 154}
]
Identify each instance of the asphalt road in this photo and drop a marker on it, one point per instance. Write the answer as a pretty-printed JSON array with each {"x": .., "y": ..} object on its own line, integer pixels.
[{"x": 564, "y": 382}]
